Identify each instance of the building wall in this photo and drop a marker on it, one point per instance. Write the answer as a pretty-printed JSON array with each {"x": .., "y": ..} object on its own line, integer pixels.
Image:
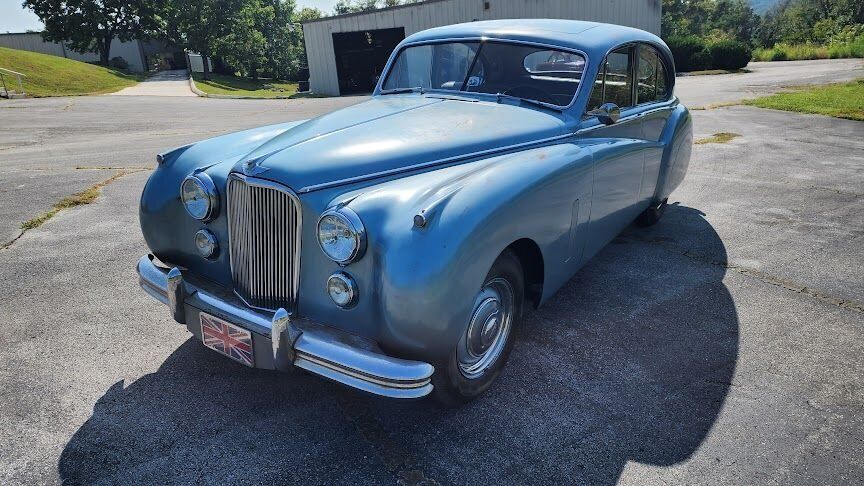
[
  {"x": 642, "y": 14},
  {"x": 32, "y": 41}
]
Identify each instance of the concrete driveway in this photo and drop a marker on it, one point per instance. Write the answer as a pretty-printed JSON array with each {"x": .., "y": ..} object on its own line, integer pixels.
[
  {"x": 163, "y": 83},
  {"x": 764, "y": 78},
  {"x": 722, "y": 345}
]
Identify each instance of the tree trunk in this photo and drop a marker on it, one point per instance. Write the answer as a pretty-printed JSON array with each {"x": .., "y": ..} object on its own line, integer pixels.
[{"x": 105, "y": 51}]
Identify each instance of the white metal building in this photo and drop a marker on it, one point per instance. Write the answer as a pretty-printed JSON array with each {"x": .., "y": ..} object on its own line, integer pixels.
[
  {"x": 131, "y": 51},
  {"x": 346, "y": 53}
]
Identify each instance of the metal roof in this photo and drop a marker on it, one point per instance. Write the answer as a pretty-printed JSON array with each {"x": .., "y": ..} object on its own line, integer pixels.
[
  {"x": 592, "y": 37},
  {"x": 368, "y": 12}
]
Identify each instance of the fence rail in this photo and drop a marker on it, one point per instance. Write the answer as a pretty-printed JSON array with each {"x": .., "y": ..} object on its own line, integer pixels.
[{"x": 7, "y": 72}]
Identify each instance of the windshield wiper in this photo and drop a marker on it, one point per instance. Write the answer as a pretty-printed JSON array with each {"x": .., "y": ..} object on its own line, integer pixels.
[
  {"x": 402, "y": 90},
  {"x": 541, "y": 104}
]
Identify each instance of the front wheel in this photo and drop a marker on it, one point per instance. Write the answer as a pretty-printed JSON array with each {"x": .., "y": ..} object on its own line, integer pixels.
[{"x": 484, "y": 347}]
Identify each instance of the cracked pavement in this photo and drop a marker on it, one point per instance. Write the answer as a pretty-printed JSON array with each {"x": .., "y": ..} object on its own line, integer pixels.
[{"x": 721, "y": 346}]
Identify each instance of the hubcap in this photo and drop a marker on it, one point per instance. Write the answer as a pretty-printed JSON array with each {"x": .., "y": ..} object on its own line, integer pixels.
[{"x": 488, "y": 329}]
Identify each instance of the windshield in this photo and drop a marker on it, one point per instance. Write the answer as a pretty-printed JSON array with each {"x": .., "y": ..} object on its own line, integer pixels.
[{"x": 529, "y": 72}]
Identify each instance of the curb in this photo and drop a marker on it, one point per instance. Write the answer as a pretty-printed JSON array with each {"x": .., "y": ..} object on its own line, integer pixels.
[{"x": 229, "y": 97}]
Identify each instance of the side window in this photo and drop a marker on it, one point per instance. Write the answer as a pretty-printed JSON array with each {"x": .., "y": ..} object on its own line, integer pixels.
[
  {"x": 651, "y": 78},
  {"x": 614, "y": 82}
]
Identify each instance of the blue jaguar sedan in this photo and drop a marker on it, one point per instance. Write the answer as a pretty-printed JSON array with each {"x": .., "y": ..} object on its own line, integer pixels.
[{"x": 393, "y": 246}]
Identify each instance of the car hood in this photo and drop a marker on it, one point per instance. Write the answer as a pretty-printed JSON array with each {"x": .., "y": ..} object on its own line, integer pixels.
[{"x": 389, "y": 133}]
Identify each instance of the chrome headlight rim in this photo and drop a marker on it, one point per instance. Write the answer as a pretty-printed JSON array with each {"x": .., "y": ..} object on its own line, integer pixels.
[
  {"x": 211, "y": 239},
  {"x": 350, "y": 285},
  {"x": 209, "y": 187},
  {"x": 351, "y": 219}
]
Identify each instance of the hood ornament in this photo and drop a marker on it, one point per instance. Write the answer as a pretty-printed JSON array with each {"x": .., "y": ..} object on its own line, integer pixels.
[{"x": 253, "y": 167}]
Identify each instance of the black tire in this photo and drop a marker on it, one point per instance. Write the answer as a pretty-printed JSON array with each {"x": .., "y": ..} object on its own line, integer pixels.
[
  {"x": 651, "y": 215},
  {"x": 452, "y": 388}
]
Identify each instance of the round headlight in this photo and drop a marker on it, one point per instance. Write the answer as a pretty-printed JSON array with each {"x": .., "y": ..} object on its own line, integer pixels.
[
  {"x": 342, "y": 289},
  {"x": 199, "y": 196},
  {"x": 341, "y": 235},
  {"x": 206, "y": 243}
]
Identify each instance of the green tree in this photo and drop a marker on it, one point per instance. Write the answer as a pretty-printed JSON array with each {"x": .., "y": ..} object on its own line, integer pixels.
[
  {"x": 354, "y": 6},
  {"x": 246, "y": 47},
  {"x": 818, "y": 21},
  {"x": 199, "y": 25},
  {"x": 91, "y": 25},
  {"x": 716, "y": 19}
]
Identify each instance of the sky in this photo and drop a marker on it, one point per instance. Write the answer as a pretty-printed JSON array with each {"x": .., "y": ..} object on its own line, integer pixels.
[{"x": 15, "y": 18}]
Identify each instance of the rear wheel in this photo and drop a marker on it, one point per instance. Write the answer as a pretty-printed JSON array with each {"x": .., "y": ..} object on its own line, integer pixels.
[
  {"x": 651, "y": 215},
  {"x": 484, "y": 347}
]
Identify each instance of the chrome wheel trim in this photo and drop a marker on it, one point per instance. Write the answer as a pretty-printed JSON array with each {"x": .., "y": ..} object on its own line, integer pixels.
[{"x": 488, "y": 329}]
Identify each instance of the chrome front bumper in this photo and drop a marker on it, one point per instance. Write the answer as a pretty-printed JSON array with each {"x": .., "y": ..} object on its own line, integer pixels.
[{"x": 281, "y": 341}]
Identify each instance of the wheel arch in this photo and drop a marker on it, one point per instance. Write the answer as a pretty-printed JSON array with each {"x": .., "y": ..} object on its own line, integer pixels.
[{"x": 530, "y": 257}]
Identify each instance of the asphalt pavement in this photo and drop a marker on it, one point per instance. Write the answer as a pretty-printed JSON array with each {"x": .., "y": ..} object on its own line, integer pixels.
[{"x": 721, "y": 346}]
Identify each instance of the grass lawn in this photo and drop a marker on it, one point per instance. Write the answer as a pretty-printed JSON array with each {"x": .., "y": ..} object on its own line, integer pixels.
[
  {"x": 221, "y": 84},
  {"x": 57, "y": 76},
  {"x": 842, "y": 100}
]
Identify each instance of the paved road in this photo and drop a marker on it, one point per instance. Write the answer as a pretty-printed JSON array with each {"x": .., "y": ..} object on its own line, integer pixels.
[
  {"x": 720, "y": 346},
  {"x": 764, "y": 78},
  {"x": 164, "y": 83}
]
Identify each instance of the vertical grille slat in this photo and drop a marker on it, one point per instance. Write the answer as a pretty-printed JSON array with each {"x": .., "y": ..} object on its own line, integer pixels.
[{"x": 264, "y": 223}]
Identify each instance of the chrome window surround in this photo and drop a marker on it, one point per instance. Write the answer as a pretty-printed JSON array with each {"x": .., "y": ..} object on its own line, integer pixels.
[
  {"x": 388, "y": 67},
  {"x": 233, "y": 249},
  {"x": 670, "y": 74}
]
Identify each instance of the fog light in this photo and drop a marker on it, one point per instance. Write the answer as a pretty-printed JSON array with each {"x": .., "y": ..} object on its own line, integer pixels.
[
  {"x": 206, "y": 243},
  {"x": 342, "y": 289}
]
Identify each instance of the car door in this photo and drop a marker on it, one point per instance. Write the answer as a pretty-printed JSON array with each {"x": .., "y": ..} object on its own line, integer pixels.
[
  {"x": 619, "y": 153},
  {"x": 652, "y": 98}
]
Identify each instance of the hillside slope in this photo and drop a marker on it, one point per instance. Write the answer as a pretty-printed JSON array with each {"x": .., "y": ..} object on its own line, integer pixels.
[{"x": 57, "y": 76}]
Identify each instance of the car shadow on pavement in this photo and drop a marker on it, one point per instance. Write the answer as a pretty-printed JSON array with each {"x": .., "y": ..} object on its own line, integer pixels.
[{"x": 630, "y": 362}]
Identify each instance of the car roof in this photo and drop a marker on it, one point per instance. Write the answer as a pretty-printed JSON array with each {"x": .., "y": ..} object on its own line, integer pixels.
[{"x": 593, "y": 38}]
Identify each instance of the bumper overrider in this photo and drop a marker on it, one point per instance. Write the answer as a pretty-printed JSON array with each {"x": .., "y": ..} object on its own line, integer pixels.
[{"x": 281, "y": 341}]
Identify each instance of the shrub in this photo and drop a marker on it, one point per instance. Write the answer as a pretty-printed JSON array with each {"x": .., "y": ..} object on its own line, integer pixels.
[
  {"x": 777, "y": 55},
  {"x": 684, "y": 48},
  {"x": 119, "y": 63},
  {"x": 853, "y": 48},
  {"x": 729, "y": 54},
  {"x": 700, "y": 61}
]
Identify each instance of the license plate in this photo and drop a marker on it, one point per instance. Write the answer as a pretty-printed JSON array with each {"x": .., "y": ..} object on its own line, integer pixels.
[{"x": 228, "y": 339}]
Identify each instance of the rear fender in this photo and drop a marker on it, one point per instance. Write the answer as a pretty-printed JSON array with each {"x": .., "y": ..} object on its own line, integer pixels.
[{"x": 677, "y": 138}]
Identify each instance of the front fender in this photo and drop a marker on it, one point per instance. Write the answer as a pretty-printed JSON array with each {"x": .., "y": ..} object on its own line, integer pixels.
[
  {"x": 161, "y": 208},
  {"x": 423, "y": 280}
]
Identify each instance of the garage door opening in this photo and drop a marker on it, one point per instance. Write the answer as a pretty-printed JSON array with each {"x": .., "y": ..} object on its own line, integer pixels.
[{"x": 361, "y": 56}]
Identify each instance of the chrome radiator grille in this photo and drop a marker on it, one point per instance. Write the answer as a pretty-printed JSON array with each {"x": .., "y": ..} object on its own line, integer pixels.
[{"x": 264, "y": 223}]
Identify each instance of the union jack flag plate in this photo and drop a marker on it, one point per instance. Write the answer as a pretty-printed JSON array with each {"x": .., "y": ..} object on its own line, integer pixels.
[{"x": 228, "y": 339}]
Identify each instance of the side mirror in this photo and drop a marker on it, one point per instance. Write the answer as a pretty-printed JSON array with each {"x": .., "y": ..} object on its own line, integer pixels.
[{"x": 607, "y": 113}]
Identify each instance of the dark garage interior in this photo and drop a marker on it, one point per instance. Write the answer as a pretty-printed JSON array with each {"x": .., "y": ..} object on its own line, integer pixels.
[{"x": 361, "y": 56}]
